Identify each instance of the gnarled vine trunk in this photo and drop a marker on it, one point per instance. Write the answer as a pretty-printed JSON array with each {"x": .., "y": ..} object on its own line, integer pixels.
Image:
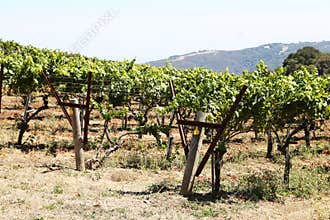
[
  {"x": 270, "y": 143},
  {"x": 24, "y": 123}
]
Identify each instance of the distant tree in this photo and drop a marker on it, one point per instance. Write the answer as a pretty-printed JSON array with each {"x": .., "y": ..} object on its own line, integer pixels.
[
  {"x": 309, "y": 57},
  {"x": 323, "y": 64},
  {"x": 306, "y": 56}
]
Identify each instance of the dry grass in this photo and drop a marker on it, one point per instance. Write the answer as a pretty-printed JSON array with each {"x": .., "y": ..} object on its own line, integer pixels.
[
  {"x": 40, "y": 185},
  {"x": 36, "y": 185}
]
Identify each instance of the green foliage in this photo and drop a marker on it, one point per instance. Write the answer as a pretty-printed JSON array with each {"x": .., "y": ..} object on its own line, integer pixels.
[
  {"x": 271, "y": 96},
  {"x": 273, "y": 99},
  {"x": 308, "y": 152},
  {"x": 323, "y": 64},
  {"x": 260, "y": 186},
  {"x": 202, "y": 184},
  {"x": 307, "y": 183},
  {"x": 267, "y": 185},
  {"x": 107, "y": 110},
  {"x": 51, "y": 206},
  {"x": 57, "y": 190},
  {"x": 238, "y": 156},
  {"x": 306, "y": 56},
  {"x": 144, "y": 159},
  {"x": 206, "y": 212},
  {"x": 309, "y": 57}
]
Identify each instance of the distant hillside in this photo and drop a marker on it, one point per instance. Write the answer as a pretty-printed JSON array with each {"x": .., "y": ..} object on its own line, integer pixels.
[{"x": 239, "y": 60}]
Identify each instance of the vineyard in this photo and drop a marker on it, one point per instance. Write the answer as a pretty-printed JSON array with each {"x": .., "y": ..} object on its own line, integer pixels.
[{"x": 142, "y": 117}]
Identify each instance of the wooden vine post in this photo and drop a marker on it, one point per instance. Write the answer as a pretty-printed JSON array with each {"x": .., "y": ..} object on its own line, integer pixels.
[
  {"x": 193, "y": 157},
  {"x": 1, "y": 79},
  {"x": 77, "y": 137},
  {"x": 87, "y": 108},
  {"x": 76, "y": 121}
]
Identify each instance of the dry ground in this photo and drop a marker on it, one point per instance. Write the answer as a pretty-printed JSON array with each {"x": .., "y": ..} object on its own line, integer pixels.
[
  {"x": 43, "y": 185},
  {"x": 35, "y": 185}
]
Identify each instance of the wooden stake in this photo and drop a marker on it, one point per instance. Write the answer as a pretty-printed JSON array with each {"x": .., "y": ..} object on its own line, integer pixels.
[
  {"x": 193, "y": 157},
  {"x": 287, "y": 166},
  {"x": 58, "y": 99},
  {"x": 87, "y": 110},
  {"x": 178, "y": 117},
  {"x": 212, "y": 170},
  {"x": 1, "y": 79},
  {"x": 77, "y": 138}
]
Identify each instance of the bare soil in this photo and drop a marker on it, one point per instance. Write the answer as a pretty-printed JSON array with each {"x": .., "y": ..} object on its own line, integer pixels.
[{"x": 36, "y": 184}]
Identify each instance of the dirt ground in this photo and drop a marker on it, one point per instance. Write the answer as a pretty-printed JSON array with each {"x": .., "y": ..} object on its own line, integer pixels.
[
  {"x": 41, "y": 185},
  {"x": 36, "y": 186}
]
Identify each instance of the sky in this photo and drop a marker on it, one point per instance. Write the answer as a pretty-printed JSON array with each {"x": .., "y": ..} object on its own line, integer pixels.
[{"x": 149, "y": 30}]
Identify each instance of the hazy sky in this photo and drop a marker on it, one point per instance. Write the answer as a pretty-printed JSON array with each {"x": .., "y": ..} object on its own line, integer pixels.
[{"x": 150, "y": 30}]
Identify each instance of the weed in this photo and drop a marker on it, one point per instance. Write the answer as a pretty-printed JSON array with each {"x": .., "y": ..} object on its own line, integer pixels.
[
  {"x": 322, "y": 169},
  {"x": 278, "y": 159},
  {"x": 57, "y": 190},
  {"x": 70, "y": 173},
  {"x": 105, "y": 193},
  {"x": 237, "y": 157},
  {"x": 202, "y": 184},
  {"x": 24, "y": 185},
  {"x": 206, "y": 212},
  {"x": 307, "y": 152},
  {"x": 51, "y": 149},
  {"x": 306, "y": 183},
  {"x": 93, "y": 215},
  {"x": 259, "y": 186},
  {"x": 323, "y": 213},
  {"x": 190, "y": 205},
  {"x": 31, "y": 139},
  {"x": 111, "y": 193},
  {"x": 92, "y": 145},
  {"x": 202, "y": 210},
  {"x": 59, "y": 202},
  {"x": 95, "y": 176},
  {"x": 147, "y": 214},
  {"x": 20, "y": 201},
  {"x": 122, "y": 212},
  {"x": 243, "y": 205},
  {"x": 51, "y": 206},
  {"x": 163, "y": 186},
  {"x": 145, "y": 160},
  {"x": 268, "y": 185}
]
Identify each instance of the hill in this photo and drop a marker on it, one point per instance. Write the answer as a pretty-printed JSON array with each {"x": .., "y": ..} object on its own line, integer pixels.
[{"x": 239, "y": 60}]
